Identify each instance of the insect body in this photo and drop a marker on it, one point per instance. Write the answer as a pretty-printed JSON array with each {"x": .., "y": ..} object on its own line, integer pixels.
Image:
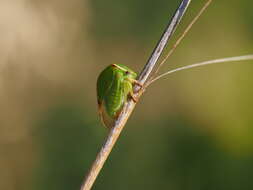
[{"x": 114, "y": 86}]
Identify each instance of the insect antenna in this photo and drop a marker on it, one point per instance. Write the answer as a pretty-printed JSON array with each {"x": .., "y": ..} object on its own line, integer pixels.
[{"x": 183, "y": 35}]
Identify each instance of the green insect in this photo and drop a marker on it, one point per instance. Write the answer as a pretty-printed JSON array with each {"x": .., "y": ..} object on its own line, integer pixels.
[{"x": 114, "y": 87}]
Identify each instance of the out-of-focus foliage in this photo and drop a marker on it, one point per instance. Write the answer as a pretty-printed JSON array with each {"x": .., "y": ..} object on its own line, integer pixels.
[
  {"x": 192, "y": 130},
  {"x": 138, "y": 19}
]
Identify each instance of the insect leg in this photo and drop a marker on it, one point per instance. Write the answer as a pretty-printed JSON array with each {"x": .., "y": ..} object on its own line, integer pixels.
[
  {"x": 137, "y": 83},
  {"x": 133, "y": 81},
  {"x": 133, "y": 97},
  {"x": 128, "y": 89}
]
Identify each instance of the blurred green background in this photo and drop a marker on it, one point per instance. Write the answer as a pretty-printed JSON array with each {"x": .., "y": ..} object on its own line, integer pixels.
[{"x": 190, "y": 131}]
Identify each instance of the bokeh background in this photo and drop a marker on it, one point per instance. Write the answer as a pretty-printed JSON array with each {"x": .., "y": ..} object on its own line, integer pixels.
[{"x": 192, "y": 130}]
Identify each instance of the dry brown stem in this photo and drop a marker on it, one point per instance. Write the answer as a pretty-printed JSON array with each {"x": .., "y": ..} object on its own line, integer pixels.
[{"x": 129, "y": 106}]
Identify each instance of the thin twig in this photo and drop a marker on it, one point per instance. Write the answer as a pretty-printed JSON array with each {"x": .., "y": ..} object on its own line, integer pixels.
[
  {"x": 129, "y": 106},
  {"x": 184, "y": 34},
  {"x": 163, "y": 41},
  {"x": 210, "y": 62}
]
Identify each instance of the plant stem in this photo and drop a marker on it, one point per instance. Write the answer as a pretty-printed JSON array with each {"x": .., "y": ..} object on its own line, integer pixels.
[{"x": 129, "y": 106}]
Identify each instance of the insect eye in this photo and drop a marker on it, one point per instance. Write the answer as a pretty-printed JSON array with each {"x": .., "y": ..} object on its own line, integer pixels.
[{"x": 127, "y": 72}]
